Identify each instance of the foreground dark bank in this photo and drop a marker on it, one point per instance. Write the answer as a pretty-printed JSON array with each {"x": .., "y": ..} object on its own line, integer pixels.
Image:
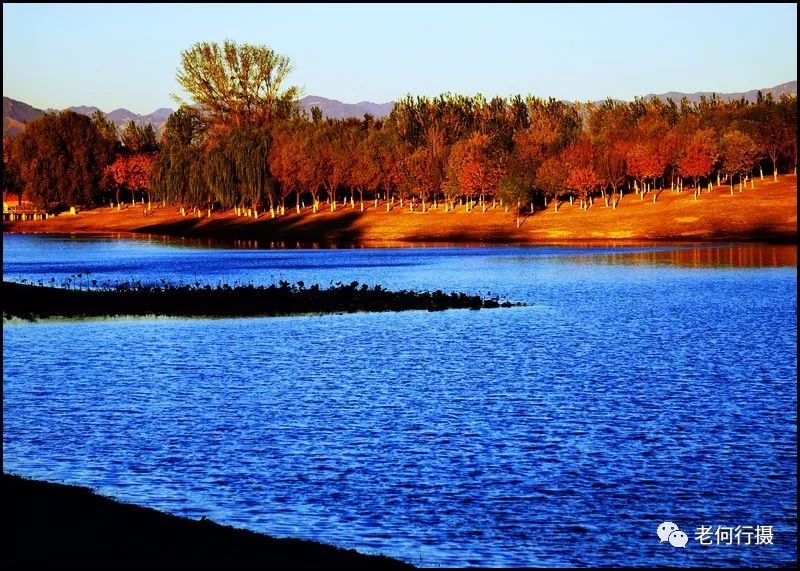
[
  {"x": 55, "y": 525},
  {"x": 30, "y": 301}
]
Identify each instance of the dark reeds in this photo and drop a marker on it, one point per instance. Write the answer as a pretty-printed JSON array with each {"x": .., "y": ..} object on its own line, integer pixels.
[{"x": 28, "y": 301}]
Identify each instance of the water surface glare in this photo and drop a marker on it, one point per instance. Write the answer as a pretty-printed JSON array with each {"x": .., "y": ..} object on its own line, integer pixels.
[{"x": 641, "y": 385}]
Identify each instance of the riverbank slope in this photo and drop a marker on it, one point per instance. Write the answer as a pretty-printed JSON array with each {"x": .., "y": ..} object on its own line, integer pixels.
[{"x": 767, "y": 212}]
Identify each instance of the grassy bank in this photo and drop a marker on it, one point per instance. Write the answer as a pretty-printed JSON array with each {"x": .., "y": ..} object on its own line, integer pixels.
[
  {"x": 767, "y": 212},
  {"x": 54, "y": 525},
  {"x": 28, "y": 301}
]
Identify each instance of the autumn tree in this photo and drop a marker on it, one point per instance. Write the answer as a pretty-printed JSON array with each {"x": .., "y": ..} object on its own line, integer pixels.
[
  {"x": 583, "y": 180},
  {"x": 700, "y": 156},
  {"x": 551, "y": 178},
  {"x": 132, "y": 172},
  {"x": 285, "y": 160},
  {"x": 738, "y": 152}
]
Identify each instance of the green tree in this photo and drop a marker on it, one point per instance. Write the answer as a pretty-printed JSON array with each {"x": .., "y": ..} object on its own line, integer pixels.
[
  {"x": 62, "y": 158},
  {"x": 237, "y": 84},
  {"x": 138, "y": 139}
]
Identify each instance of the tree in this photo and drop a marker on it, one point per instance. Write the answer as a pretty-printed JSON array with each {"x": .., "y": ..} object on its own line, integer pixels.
[
  {"x": 180, "y": 158},
  {"x": 551, "y": 178},
  {"x": 138, "y": 139},
  {"x": 61, "y": 159},
  {"x": 12, "y": 183},
  {"x": 514, "y": 190},
  {"x": 738, "y": 152},
  {"x": 132, "y": 172},
  {"x": 700, "y": 157},
  {"x": 788, "y": 111},
  {"x": 237, "y": 84},
  {"x": 284, "y": 162},
  {"x": 583, "y": 180},
  {"x": 609, "y": 164},
  {"x": 644, "y": 163}
]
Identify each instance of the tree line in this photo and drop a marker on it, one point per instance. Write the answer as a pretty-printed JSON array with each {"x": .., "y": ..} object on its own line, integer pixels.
[{"x": 243, "y": 143}]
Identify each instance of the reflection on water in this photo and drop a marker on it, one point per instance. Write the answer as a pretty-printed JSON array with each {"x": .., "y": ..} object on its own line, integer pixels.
[{"x": 706, "y": 256}]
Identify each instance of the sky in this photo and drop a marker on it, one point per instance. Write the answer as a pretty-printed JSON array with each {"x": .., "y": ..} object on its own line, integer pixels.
[{"x": 113, "y": 55}]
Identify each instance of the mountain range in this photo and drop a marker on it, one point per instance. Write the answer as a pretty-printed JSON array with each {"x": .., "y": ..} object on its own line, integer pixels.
[{"x": 17, "y": 113}]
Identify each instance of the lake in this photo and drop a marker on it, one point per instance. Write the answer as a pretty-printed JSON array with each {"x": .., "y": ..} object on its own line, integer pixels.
[{"x": 641, "y": 384}]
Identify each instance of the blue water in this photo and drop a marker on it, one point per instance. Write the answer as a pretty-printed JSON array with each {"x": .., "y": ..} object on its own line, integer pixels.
[{"x": 640, "y": 385}]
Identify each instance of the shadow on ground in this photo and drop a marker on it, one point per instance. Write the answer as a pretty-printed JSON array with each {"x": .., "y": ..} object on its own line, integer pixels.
[{"x": 338, "y": 227}]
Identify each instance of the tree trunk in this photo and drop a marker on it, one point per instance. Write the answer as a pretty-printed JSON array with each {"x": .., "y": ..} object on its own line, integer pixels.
[
  {"x": 361, "y": 198},
  {"x": 775, "y": 169}
]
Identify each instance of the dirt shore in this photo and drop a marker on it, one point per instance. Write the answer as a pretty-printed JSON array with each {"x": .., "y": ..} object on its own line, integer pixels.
[
  {"x": 767, "y": 212},
  {"x": 48, "y": 525}
]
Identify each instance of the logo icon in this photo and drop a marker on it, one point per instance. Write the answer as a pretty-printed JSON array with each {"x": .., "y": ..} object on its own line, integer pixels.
[{"x": 670, "y": 532}]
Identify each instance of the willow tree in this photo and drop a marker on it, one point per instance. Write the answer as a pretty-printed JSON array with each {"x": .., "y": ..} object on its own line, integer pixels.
[
  {"x": 237, "y": 84},
  {"x": 179, "y": 157},
  {"x": 250, "y": 149}
]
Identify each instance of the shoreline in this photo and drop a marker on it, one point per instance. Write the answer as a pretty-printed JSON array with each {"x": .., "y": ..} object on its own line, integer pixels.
[
  {"x": 46, "y": 524},
  {"x": 28, "y": 301},
  {"x": 764, "y": 214}
]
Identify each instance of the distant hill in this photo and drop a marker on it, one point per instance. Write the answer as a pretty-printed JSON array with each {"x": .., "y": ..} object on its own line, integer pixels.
[
  {"x": 333, "y": 109},
  {"x": 16, "y": 113},
  {"x": 789, "y": 88}
]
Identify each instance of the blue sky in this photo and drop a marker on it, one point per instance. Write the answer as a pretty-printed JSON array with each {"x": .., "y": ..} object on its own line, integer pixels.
[{"x": 126, "y": 55}]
